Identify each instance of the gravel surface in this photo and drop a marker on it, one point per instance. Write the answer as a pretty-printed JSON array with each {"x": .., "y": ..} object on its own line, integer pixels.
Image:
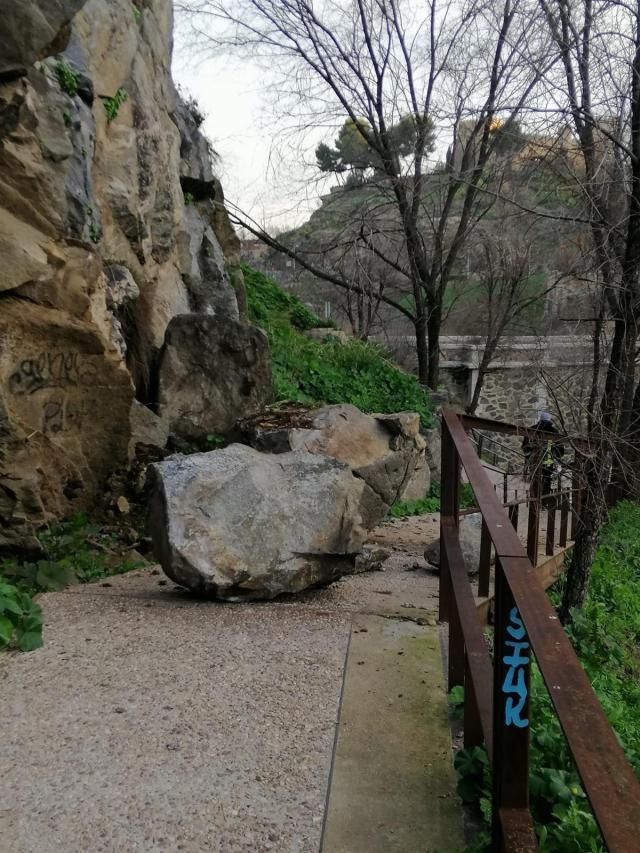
[{"x": 153, "y": 722}]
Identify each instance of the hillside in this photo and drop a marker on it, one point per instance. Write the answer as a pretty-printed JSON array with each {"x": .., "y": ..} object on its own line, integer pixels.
[{"x": 327, "y": 371}]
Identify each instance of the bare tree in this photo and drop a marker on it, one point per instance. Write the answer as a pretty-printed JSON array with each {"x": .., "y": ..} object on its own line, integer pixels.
[
  {"x": 363, "y": 270},
  {"x": 598, "y": 87},
  {"x": 466, "y": 69},
  {"x": 507, "y": 291}
]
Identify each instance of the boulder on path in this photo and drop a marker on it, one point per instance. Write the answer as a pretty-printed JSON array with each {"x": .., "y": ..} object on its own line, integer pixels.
[
  {"x": 213, "y": 371},
  {"x": 470, "y": 536},
  {"x": 238, "y": 524},
  {"x": 386, "y": 451}
]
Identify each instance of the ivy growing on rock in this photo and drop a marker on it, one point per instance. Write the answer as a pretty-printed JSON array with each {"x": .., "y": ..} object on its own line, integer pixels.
[
  {"x": 68, "y": 78},
  {"x": 112, "y": 104}
]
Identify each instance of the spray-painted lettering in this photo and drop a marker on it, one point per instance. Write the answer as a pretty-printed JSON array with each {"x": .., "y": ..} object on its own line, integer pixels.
[
  {"x": 515, "y": 683},
  {"x": 51, "y": 370}
]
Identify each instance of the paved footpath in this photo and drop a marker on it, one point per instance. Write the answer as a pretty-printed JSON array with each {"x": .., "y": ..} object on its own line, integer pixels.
[{"x": 154, "y": 722}]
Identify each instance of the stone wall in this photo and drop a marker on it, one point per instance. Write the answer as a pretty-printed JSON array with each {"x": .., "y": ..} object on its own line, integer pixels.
[{"x": 527, "y": 375}]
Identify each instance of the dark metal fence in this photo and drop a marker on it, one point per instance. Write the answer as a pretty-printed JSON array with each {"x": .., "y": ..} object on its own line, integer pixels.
[{"x": 496, "y": 707}]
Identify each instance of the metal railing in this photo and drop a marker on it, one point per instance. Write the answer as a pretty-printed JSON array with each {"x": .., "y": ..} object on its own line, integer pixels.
[{"x": 496, "y": 692}]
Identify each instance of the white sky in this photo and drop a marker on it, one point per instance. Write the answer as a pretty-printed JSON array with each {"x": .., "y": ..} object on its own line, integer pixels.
[{"x": 272, "y": 189}]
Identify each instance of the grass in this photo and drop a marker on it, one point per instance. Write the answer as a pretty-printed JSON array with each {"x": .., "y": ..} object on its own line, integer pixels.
[
  {"x": 73, "y": 551},
  {"x": 323, "y": 372},
  {"x": 431, "y": 503},
  {"x": 606, "y": 637}
]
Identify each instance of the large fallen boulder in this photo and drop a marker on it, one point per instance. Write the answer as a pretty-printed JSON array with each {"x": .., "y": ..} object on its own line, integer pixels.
[
  {"x": 386, "y": 451},
  {"x": 214, "y": 370},
  {"x": 238, "y": 524}
]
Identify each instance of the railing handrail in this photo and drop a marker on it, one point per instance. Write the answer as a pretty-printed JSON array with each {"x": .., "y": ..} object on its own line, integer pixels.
[
  {"x": 609, "y": 781},
  {"x": 488, "y": 425}
]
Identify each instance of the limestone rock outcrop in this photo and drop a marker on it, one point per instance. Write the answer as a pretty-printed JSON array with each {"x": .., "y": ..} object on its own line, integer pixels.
[
  {"x": 239, "y": 524},
  {"x": 32, "y": 30},
  {"x": 386, "y": 451},
  {"x": 213, "y": 371},
  {"x": 112, "y": 224}
]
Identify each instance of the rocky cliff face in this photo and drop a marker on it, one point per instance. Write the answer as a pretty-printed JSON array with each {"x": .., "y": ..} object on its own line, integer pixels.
[{"x": 111, "y": 224}]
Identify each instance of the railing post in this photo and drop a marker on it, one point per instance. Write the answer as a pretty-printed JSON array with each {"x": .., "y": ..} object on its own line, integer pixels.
[
  {"x": 449, "y": 502},
  {"x": 564, "y": 519},
  {"x": 473, "y": 734},
  {"x": 484, "y": 568},
  {"x": 551, "y": 527},
  {"x": 533, "y": 526},
  {"x": 511, "y": 672}
]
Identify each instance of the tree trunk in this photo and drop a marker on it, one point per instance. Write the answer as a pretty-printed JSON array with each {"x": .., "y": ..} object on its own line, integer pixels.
[
  {"x": 422, "y": 351},
  {"x": 592, "y": 517},
  {"x": 485, "y": 361},
  {"x": 433, "y": 369}
]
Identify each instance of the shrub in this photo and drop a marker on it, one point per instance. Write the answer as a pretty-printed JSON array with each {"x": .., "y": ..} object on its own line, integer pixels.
[
  {"x": 323, "y": 372},
  {"x": 20, "y": 619}
]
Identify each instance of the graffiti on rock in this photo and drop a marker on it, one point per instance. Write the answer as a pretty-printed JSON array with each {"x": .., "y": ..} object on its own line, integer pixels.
[{"x": 52, "y": 370}]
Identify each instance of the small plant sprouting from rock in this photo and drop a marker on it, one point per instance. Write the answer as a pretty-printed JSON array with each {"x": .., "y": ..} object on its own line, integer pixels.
[
  {"x": 66, "y": 118},
  {"x": 68, "y": 78},
  {"x": 137, "y": 14},
  {"x": 95, "y": 233},
  {"x": 112, "y": 105},
  {"x": 189, "y": 199}
]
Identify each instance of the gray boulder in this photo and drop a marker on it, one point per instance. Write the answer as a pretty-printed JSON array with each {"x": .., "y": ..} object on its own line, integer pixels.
[
  {"x": 213, "y": 371},
  {"x": 238, "y": 524},
  {"x": 386, "y": 451},
  {"x": 33, "y": 29},
  {"x": 433, "y": 451},
  {"x": 470, "y": 536}
]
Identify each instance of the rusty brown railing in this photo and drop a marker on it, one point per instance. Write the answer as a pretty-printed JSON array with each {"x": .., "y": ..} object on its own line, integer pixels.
[{"x": 496, "y": 693}]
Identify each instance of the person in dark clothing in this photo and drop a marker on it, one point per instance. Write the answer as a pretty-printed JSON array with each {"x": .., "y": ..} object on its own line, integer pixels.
[{"x": 539, "y": 453}]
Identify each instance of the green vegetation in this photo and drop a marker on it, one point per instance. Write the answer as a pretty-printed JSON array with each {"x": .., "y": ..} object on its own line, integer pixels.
[
  {"x": 94, "y": 232},
  {"x": 189, "y": 198},
  {"x": 137, "y": 14},
  {"x": 20, "y": 619},
  {"x": 68, "y": 78},
  {"x": 431, "y": 503},
  {"x": 320, "y": 372},
  {"x": 112, "y": 105},
  {"x": 606, "y": 636},
  {"x": 75, "y": 551},
  {"x": 353, "y": 154}
]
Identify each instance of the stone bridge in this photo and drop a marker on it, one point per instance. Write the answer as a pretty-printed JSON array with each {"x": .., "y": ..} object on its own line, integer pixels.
[{"x": 528, "y": 373}]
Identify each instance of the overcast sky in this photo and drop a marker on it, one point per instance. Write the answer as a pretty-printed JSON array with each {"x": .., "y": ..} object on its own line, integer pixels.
[{"x": 255, "y": 175}]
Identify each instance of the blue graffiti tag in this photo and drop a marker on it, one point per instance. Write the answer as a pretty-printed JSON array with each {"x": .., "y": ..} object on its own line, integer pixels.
[{"x": 515, "y": 680}]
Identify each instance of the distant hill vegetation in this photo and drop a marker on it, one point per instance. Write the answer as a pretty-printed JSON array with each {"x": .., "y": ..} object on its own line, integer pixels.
[{"x": 319, "y": 372}]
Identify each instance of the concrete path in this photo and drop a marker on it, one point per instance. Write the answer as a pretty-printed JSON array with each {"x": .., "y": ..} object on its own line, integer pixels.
[{"x": 153, "y": 722}]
